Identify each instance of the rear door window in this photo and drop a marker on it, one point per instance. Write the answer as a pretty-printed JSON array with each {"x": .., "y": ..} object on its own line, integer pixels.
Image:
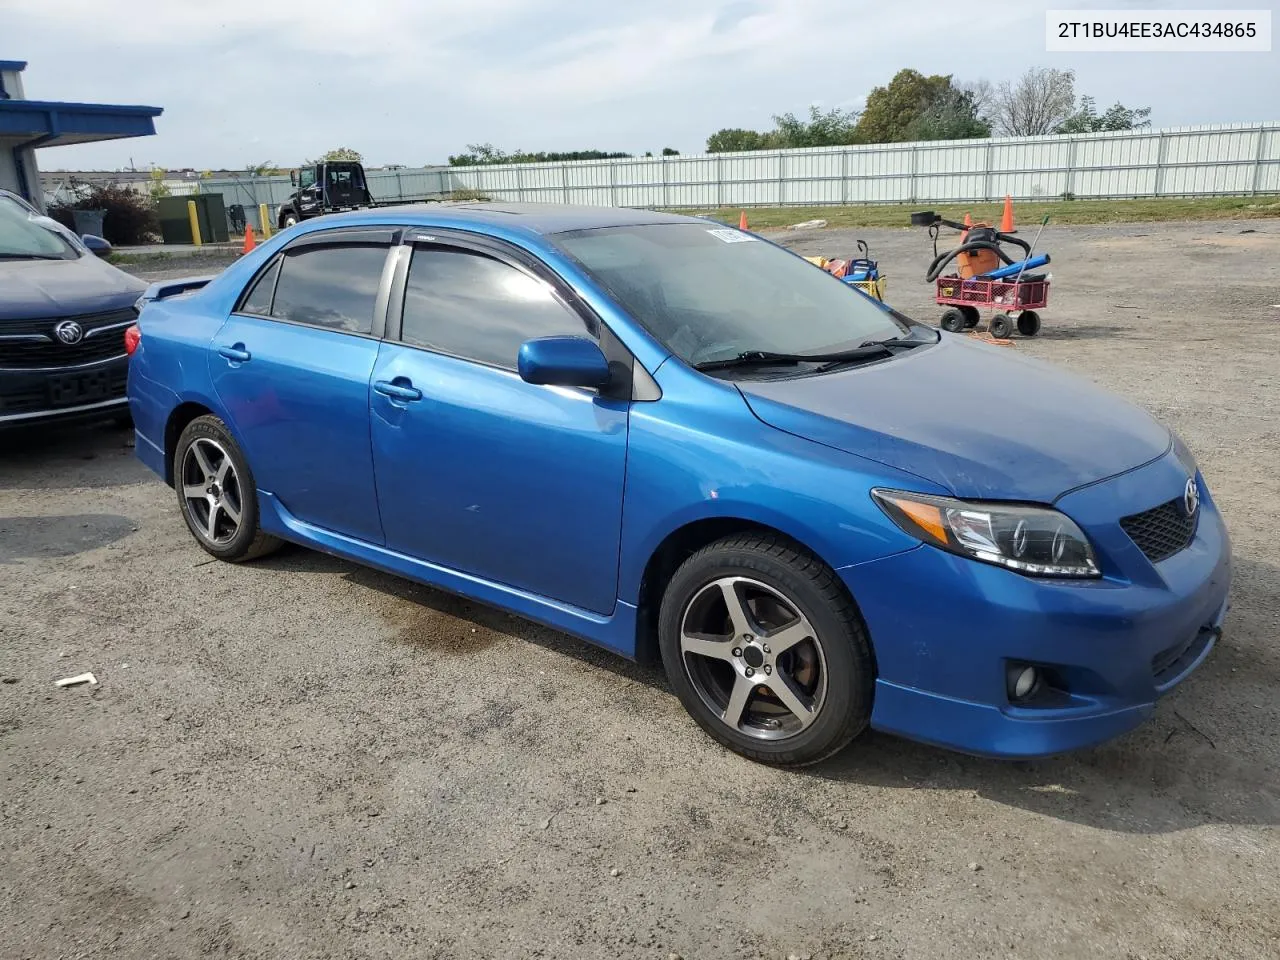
[
  {"x": 330, "y": 286},
  {"x": 479, "y": 308},
  {"x": 258, "y": 300}
]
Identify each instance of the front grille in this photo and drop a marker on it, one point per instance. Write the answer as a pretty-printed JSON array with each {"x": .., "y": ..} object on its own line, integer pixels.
[
  {"x": 103, "y": 338},
  {"x": 1161, "y": 531}
]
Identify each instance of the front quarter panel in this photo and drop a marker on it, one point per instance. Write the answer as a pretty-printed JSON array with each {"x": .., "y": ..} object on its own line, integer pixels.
[{"x": 699, "y": 453}]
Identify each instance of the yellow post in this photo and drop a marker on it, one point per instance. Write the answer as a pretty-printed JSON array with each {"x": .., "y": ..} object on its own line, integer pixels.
[
  {"x": 195, "y": 222},
  {"x": 264, "y": 218}
]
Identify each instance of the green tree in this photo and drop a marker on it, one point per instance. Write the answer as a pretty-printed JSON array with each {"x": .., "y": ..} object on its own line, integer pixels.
[
  {"x": 158, "y": 188},
  {"x": 481, "y": 154},
  {"x": 260, "y": 169},
  {"x": 670, "y": 152},
  {"x": 732, "y": 139},
  {"x": 338, "y": 155},
  {"x": 912, "y": 106},
  {"x": 829, "y": 129},
  {"x": 1086, "y": 119},
  {"x": 951, "y": 115}
]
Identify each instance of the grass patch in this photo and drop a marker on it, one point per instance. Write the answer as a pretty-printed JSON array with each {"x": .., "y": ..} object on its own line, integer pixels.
[
  {"x": 1026, "y": 213},
  {"x": 123, "y": 259}
]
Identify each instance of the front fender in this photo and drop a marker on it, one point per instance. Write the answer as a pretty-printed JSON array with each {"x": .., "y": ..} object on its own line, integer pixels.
[{"x": 692, "y": 461}]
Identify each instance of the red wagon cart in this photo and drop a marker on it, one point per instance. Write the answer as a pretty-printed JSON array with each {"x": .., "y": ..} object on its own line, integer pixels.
[{"x": 1015, "y": 302}]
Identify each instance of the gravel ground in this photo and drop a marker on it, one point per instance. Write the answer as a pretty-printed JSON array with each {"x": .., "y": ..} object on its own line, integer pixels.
[{"x": 304, "y": 758}]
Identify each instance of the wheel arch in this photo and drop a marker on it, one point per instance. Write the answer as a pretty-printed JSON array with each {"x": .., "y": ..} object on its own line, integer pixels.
[
  {"x": 675, "y": 548},
  {"x": 179, "y": 417}
]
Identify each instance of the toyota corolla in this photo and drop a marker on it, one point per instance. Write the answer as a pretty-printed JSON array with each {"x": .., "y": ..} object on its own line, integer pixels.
[{"x": 682, "y": 442}]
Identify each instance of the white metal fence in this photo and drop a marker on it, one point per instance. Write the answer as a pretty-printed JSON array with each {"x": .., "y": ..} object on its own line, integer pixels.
[{"x": 1180, "y": 161}]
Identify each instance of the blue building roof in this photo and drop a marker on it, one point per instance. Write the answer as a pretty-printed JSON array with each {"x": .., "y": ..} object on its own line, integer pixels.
[{"x": 46, "y": 123}]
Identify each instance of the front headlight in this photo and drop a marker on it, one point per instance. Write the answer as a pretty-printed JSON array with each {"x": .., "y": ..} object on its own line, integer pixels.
[{"x": 1036, "y": 541}]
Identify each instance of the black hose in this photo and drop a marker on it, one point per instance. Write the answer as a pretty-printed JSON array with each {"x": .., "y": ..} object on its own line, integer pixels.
[
  {"x": 987, "y": 239},
  {"x": 942, "y": 259}
]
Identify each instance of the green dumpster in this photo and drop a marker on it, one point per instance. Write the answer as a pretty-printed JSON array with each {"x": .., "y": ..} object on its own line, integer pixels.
[{"x": 175, "y": 224}]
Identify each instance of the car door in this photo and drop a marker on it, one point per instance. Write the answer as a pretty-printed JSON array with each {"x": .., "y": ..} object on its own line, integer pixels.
[
  {"x": 477, "y": 470},
  {"x": 291, "y": 366}
]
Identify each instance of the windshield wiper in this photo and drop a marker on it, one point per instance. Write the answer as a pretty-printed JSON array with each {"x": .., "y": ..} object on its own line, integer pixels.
[
  {"x": 754, "y": 358},
  {"x": 28, "y": 256}
]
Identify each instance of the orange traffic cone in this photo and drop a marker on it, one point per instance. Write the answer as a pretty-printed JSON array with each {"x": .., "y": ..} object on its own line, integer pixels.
[
  {"x": 249, "y": 241},
  {"x": 742, "y": 220},
  {"x": 1006, "y": 222}
]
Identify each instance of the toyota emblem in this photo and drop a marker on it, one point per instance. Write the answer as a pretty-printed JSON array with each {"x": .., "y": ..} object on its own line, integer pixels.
[
  {"x": 69, "y": 332},
  {"x": 1191, "y": 497}
]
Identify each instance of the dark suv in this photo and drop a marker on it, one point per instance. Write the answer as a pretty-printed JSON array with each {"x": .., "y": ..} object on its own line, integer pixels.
[{"x": 63, "y": 314}]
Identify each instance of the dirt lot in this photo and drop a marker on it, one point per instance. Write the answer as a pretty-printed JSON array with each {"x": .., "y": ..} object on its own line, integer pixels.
[{"x": 303, "y": 758}]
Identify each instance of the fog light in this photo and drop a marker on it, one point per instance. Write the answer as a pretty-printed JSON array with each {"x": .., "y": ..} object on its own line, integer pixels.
[{"x": 1023, "y": 682}]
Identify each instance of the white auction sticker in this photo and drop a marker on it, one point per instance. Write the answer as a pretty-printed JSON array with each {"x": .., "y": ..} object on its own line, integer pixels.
[
  {"x": 1158, "y": 31},
  {"x": 729, "y": 235}
]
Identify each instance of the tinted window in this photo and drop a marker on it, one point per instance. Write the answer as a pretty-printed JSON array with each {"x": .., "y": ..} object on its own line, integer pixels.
[
  {"x": 473, "y": 306},
  {"x": 330, "y": 286},
  {"x": 709, "y": 292},
  {"x": 258, "y": 299}
]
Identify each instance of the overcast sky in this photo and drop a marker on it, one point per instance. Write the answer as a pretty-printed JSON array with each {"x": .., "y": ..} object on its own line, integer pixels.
[{"x": 412, "y": 81}]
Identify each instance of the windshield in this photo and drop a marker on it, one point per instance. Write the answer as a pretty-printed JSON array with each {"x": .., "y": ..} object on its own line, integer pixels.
[
  {"x": 23, "y": 238},
  {"x": 711, "y": 293}
]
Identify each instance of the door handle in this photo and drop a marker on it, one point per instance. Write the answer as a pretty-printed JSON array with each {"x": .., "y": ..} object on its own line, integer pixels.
[
  {"x": 402, "y": 390},
  {"x": 236, "y": 353}
]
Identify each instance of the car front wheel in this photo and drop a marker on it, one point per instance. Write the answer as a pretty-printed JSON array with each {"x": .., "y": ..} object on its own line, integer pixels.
[
  {"x": 766, "y": 650},
  {"x": 216, "y": 492}
]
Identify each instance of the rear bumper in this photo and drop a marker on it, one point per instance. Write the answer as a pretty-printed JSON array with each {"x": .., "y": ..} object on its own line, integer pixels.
[
  {"x": 946, "y": 630},
  {"x": 92, "y": 392}
]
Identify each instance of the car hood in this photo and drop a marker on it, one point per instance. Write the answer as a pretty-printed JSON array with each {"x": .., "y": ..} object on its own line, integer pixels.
[
  {"x": 979, "y": 420},
  {"x": 35, "y": 289}
]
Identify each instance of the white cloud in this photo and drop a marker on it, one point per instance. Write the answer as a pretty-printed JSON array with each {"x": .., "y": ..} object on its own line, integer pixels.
[{"x": 413, "y": 80}]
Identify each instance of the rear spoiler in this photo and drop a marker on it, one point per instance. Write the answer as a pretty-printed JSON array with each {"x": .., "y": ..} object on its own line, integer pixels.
[{"x": 172, "y": 288}]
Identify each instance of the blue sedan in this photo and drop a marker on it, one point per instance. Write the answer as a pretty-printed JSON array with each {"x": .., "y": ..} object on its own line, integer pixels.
[{"x": 684, "y": 443}]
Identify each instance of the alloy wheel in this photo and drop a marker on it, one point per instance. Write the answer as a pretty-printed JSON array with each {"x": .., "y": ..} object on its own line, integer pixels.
[
  {"x": 211, "y": 489},
  {"x": 753, "y": 658}
]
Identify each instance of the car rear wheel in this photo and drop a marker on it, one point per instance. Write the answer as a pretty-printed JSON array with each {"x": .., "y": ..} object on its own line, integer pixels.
[
  {"x": 216, "y": 493},
  {"x": 766, "y": 650}
]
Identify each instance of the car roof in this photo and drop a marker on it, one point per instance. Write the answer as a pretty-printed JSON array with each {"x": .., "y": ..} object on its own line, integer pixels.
[{"x": 539, "y": 218}]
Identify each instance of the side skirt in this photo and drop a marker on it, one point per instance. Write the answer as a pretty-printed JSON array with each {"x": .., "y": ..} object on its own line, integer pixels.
[{"x": 616, "y": 632}]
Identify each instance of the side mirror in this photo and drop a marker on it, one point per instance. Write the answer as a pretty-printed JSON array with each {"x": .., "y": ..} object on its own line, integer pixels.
[
  {"x": 293, "y": 177},
  {"x": 96, "y": 245},
  {"x": 563, "y": 362}
]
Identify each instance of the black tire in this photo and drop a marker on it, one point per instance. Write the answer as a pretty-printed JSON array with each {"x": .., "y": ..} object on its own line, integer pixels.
[
  {"x": 1028, "y": 323},
  {"x": 971, "y": 317},
  {"x": 247, "y": 542},
  {"x": 1000, "y": 326},
  {"x": 816, "y": 594},
  {"x": 952, "y": 321}
]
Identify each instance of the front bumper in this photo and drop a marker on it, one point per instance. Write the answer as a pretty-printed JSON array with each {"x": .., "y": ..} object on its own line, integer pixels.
[
  {"x": 91, "y": 392},
  {"x": 945, "y": 629}
]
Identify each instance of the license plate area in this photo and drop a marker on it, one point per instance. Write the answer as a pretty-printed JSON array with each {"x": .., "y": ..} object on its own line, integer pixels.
[{"x": 70, "y": 389}]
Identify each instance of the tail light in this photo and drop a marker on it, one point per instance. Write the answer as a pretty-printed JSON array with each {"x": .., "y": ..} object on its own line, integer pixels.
[{"x": 132, "y": 337}]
